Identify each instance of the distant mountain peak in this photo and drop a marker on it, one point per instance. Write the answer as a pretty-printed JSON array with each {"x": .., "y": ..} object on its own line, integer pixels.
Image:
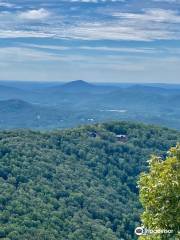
[{"x": 78, "y": 83}]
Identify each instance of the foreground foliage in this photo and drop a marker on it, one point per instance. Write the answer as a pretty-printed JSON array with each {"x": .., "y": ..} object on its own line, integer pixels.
[
  {"x": 75, "y": 184},
  {"x": 160, "y": 195}
]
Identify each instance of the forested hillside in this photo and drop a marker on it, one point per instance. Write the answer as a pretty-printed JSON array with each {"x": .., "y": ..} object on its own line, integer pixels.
[{"x": 76, "y": 184}]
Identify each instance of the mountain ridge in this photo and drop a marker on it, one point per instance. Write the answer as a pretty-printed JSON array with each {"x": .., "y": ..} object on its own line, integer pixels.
[{"x": 82, "y": 102}]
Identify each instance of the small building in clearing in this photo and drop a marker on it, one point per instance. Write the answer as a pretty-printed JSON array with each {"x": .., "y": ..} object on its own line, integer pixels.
[
  {"x": 93, "y": 134},
  {"x": 121, "y": 137}
]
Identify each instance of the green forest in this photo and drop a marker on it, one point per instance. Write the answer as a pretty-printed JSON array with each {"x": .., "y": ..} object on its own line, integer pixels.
[
  {"x": 160, "y": 197},
  {"x": 76, "y": 184}
]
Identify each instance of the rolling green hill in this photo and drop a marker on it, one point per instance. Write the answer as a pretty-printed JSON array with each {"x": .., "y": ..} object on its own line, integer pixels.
[
  {"x": 75, "y": 184},
  {"x": 16, "y": 113}
]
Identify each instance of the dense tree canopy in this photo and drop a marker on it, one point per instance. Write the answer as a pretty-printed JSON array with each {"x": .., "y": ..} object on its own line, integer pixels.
[
  {"x": 160, "y": 196},
  {"x": 75, "y": 184}
]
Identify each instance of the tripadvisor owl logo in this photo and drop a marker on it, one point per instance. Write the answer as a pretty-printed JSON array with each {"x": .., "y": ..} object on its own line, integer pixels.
[
  {"x": 139, "y": 231},
  {"x": 144, "y": 231}
]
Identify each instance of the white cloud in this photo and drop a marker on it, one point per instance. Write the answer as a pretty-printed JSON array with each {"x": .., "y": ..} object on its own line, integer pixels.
[
  {"x": 6, "y": 4},
  {"x": 23, "y": 54},
  {"x": 121, "y": 49},
  {"x": 47, "y": 47},
  {"x": 151, "y": 15},
  {"x": 39, "y": 14},
  {"x": 105, "y": 49},
  {"x": 147, "y": 25},
  {"x": 24, "y": 34},
  {"x": 121, "y": 30}
]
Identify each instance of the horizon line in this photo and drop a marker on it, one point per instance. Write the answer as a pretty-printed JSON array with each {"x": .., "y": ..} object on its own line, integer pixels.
[{"x": 93, "y": 82}]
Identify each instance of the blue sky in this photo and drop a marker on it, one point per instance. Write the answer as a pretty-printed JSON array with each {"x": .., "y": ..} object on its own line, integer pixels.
[{"x": 93, "y": 40}]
